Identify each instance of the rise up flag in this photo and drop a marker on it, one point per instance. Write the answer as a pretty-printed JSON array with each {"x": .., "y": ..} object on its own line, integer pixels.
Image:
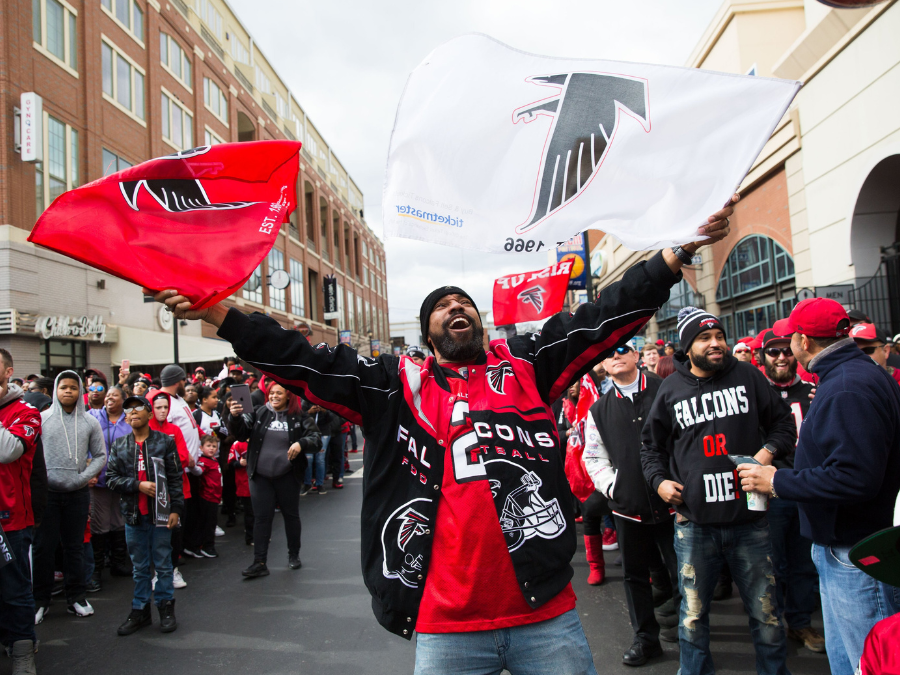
[
  {"x": 198, "y": 221},
  {"x": 531, "y": 296},
  {"x": 495, "y": 149}
]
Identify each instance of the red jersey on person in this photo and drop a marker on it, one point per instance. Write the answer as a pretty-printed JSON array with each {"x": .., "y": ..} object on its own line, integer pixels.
[
  {"x": 143, "y": 502},
  {"x": 881, "y": 653},
  {"x": 241, "y": 482},
  {"x": 459, "y": 596},
  {"x": 24, "y": 422},
  {"x": 211, "y": 480}
]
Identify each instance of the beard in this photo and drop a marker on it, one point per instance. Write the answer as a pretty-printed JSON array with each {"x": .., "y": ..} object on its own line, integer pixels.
[
  {"x": 781, "y": 377},
  {"x": 703, "y": 363},
  {"x": 457, "y": 349}
]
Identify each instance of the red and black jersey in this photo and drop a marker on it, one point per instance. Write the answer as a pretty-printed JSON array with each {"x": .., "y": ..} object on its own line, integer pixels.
[
  {"x": 211, "y": 480},
  {"x": 796, "y": 395},
  {"x": 410, "y": 416},
  {"x": 24, "y": 422}
]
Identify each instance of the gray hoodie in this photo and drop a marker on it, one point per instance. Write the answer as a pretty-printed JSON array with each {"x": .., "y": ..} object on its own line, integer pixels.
[{"x": 70, "y": 440}]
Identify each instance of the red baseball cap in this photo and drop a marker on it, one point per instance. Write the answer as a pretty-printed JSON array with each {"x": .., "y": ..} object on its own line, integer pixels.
[
  {"x": 756, "y": 343},
  {"x": 865, "y": 331},
  {"x": 768, "y": 336},
  {"x": 815, "y": 317},
  {"x": 660, "y": 343},
  {"x": 746, "y": 340}
]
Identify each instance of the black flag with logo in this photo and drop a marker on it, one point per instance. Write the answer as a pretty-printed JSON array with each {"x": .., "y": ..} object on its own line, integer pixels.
[
  {"x": 331, "y": 297},
  {"x": 163, "y": 504}
]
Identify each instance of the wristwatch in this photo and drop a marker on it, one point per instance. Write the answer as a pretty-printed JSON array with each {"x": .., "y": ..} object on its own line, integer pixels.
[
  {"x": 685, "y": 257},
  {"x": 771, "y": 448},
  {"x": 774, "y": 495}
]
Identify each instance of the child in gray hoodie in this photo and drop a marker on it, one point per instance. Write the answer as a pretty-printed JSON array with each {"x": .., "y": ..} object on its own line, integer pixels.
[{"x": 75, "y": 454}]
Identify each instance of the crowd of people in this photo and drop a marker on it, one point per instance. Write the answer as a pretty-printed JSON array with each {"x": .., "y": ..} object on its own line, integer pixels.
[
  {"x": 706, "y": 464},
  {"x": 82, "y": 463}
]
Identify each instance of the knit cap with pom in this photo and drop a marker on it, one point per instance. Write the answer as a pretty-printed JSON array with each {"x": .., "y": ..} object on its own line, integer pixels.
[{"x": 693, "y": 321}]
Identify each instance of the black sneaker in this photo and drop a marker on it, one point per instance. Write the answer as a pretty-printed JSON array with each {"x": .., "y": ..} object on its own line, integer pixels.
[
  {"x": 135, "y": 621},
  {"x": 321, "y": 490},
  {"x": 190, "y": 553},
  {"x": 257, "y": 569},
  {"x": 294, "y": 562},
  {"x": 167, "y": 621},
  {"x": 305, "y": 490},
  {"x": 92, "y": 586},
  {"x": 209, "y": 552}
]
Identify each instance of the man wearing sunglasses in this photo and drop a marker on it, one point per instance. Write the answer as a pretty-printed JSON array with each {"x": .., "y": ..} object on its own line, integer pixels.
[
  {"x": 876, "y": 344},
  {"x": 96, "y": 393},
  {"x": 795, "y": 574}
]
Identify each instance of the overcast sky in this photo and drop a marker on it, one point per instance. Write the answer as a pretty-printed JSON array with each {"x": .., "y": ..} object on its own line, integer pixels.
[{"x": 347, "y": 63}]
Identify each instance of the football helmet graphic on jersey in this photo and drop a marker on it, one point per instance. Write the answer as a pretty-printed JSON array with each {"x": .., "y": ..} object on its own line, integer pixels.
[
  {"x": 403, "y": 544},
  {"x": 525, "y": 514}
]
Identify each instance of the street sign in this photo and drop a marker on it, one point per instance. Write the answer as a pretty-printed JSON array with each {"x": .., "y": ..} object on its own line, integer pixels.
[
  {"x": 840, "y": 293},
  {"x": 805, "y": 294}
]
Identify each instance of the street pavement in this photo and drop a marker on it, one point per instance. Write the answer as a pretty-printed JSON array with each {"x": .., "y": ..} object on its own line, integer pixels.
[{"x": 319, "y": 619}]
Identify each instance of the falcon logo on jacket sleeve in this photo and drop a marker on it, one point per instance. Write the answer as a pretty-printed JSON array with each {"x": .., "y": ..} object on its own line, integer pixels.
[{"x": 496, "y": 376}]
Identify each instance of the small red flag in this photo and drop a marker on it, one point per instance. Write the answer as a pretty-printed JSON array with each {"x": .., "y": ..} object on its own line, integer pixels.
[
  {"x": 530, "y": 296},
  {"x": 198, "y": 221}
]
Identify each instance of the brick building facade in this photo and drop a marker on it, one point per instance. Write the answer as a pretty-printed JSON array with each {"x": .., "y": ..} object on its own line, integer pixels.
[{"x": 123, "y": 81}]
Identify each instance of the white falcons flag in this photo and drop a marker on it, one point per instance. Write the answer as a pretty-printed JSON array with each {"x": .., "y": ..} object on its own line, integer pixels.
[{"x": 498, "y": 150}]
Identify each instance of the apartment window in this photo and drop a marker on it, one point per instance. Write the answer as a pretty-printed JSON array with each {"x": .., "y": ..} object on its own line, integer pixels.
[
  {"x": 365, "y": 276},
  {"x": 360, "y": 317},
  {"x": 323, "y": 228},
  {"x": 370, "y": 327},
  {"x": 280, "y": 106},
  {"x": 215, "y": 99},
  {"x": 123, "y": 80},
  {"x": 296, "y": 274},
  {"x": 365, "y": 249},
  {"x": 112, "y": 163},
  {"x": 239, "y": 52},
  {"x": 175, "y": 59},
  {"x": 254, "y": 283},
  {"x": 276, "y": 295},
  {"x": 177, "y": 122},
  {"x": 311, "y": 145},
  {"x": 313, "y": 296},
  {"x": 54, "y": 32},
  {"x": 128, "y": 14},
  {"x": 60, "y": 171},
  {"x": 262, "y": 81},
  {"x": 351, "y": 311},
  {"x": 210, "y": 137},
  {"x": 211, "y": 17},
  {"x": 342, "y": 321}
]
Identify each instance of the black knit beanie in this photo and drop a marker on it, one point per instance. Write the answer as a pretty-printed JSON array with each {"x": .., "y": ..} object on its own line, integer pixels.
[
  {"x": 431, "y": 300},
  {"x": 692, "y": 322}
]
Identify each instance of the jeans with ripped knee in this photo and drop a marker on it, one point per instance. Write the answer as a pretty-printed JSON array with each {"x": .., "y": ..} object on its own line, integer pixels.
[{"x": 701, "y": 552}]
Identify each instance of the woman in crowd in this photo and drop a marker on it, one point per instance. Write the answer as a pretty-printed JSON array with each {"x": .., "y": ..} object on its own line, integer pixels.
[
  {"x": 107, "y": 526},
  {"x": 278, "y": 436}
]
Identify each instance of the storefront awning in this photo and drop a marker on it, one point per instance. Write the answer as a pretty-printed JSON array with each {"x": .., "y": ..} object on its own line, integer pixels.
[{"x": 152, "y": 348}]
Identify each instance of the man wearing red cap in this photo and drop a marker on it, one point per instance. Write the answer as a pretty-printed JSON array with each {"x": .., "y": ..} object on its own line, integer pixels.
[
  {"x": 467, "y": 526},
  {"x": 846, "y": 472},
  {"x": 874, "y": 343}
]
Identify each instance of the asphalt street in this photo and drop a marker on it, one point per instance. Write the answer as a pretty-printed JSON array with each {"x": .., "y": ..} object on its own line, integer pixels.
[{"x": 319, "y": 619}]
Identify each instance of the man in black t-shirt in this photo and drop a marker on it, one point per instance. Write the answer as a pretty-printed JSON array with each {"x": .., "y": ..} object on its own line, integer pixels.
[{"x": 795, "y": 573}]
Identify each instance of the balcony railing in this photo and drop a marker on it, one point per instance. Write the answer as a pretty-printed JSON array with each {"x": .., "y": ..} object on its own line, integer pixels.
[
  {"x": 212, "y": 42},
  {"x": 321, "y": 173},
  {"x": 245, "y": 83},
  {"x": 307, "y": 155},
  {"x": 271, "y": 113},
  {"x": 182, "y": 7},
  {"x": 288, "y": 133}
]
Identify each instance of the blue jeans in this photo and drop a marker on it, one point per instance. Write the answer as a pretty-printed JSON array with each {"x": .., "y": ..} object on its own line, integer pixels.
[
  {"x": 147, "y": 542},
  {"x": 555, "y": 646},
  {"x": 852, "y": 602},
  {"x": 795, "y": 575},
  {"x": 16, "y": 600},
  {"x": 319, "y": 460},
  {"x": 701, "y": 551}
]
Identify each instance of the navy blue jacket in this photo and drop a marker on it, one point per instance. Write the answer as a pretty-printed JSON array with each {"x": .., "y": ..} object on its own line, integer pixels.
[{"x": 847, "y": 465}]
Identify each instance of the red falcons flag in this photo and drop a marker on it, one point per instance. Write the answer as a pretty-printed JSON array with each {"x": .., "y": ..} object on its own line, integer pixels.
[
  {"x": 531, "y": 295},
  {"x": 199, "y": 221}
]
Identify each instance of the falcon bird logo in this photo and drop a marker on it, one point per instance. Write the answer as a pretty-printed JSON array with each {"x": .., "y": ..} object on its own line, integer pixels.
[
  {"x": 412, "y": 523},
  {"x": 496, "y": 375},
  {"x": 585, "y": 113},
  {"x": 534, "y": 296}
]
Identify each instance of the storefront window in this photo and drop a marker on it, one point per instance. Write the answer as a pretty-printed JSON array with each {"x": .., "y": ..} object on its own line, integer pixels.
[{"x": 60, "y": 355}]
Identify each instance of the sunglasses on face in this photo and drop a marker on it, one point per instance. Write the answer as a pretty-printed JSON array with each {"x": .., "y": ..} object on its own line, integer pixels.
[
  {"x": 624, "y": 349},
  {"x": 868, "y": 351},
  {"x": 775, "y": 352},
  {"x": 96, "y": 387},
  {"x": 137, "y": 408}
]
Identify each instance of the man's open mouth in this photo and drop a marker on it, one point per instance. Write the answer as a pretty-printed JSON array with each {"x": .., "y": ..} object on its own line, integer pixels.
[{"x": 459, "y": 323}]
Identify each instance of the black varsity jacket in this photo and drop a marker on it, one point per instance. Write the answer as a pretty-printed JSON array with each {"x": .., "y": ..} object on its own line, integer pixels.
[{"x": 406, "y": 412}]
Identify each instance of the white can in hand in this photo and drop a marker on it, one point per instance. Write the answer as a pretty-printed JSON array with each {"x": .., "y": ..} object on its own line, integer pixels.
[{"x": 756, "y": 501}]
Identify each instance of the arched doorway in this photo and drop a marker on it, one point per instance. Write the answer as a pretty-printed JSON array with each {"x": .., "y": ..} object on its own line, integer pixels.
[
  {"x": 875, "y": 245},
  {"x": 246, "y": 128}
]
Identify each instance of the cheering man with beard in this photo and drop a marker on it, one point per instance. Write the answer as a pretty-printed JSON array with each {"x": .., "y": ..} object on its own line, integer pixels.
[
  {"x": 795, "y": 572},
  {"x": 711, "y": 408},
  {"x": 467, "y": 529}
]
